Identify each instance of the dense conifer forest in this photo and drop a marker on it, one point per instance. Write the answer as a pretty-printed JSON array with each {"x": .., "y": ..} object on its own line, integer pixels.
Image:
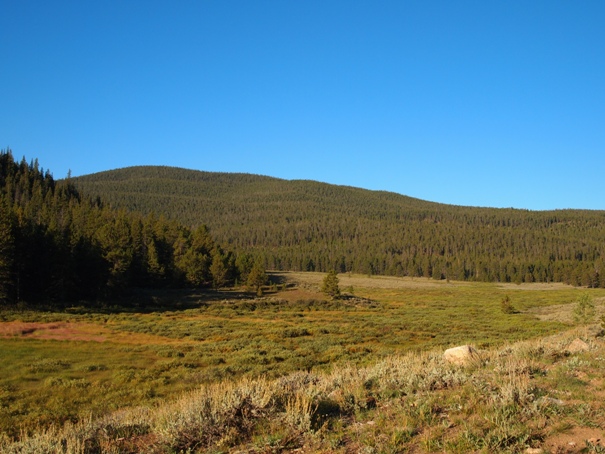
[
  {"x": 58, "y": 245},
  {"x": 307, "y": 225}
]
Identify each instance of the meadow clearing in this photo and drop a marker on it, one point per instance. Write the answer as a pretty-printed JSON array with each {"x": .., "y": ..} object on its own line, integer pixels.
[{"x": 82, "y": 364}]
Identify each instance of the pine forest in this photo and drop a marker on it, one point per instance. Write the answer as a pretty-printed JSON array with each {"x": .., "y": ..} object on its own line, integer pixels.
[{"x": 311, "y": 226}]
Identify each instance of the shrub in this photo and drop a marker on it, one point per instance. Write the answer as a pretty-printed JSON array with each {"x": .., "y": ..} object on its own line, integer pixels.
[
  {"x": 584, "y": 311},
  {"x": 506, "y": 306}
]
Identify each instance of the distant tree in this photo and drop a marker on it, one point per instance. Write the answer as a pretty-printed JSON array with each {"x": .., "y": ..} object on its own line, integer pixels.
[
  {"x": 244, "y": 263},
  {"x": 584, "y": 310},
  {"x": 193, "y": 256},
  {"x": 329, "y": 285},
  {"x": 154, "y": 268},
  {"x": 201, "y": 240},
  {"x": 195, "y": 266},
  {"x": 218, "y": 269},
  {"x": 116, "y": 243},
  {"x": 257, "y": 276}
]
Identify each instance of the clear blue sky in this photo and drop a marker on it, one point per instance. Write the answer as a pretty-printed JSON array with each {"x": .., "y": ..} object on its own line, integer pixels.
[{"x": 484, "y": 103}]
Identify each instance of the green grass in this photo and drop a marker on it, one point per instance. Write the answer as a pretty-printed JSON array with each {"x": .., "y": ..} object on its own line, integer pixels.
[{"x": 229, "y": 338}]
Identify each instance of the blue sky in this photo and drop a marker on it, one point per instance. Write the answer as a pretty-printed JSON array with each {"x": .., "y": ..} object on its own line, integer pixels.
[{"x": 478, "y": 103}]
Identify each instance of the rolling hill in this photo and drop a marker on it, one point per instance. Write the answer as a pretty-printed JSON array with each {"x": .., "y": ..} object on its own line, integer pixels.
[{"x": 308, "y": 225}]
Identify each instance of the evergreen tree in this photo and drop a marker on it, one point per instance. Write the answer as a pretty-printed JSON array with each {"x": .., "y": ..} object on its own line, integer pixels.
[
  {"x": 329, "y": 285},
  {"x": 257, "y": 277},
  {"x": 584, "y": 311},
  {"x": 218, "y": 269},
  {"x": 244, "y": 263},
  {"x": 116, "y": 243}
]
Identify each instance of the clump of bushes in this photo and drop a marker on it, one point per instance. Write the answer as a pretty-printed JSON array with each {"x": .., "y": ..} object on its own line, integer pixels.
[
  {"x": 507, "y": 306},
  {"x": 584, "y": 310}
]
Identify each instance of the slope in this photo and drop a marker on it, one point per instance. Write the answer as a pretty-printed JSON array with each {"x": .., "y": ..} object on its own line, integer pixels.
[{"x": 307, "y": 225}]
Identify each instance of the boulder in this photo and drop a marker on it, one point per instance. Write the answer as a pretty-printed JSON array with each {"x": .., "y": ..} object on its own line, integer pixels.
[
  {"x": 578, "y": 346},
  {"x": 460, "y": 355}
]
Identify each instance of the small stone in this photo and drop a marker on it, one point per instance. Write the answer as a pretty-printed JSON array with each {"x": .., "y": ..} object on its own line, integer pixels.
[
  {"x": 550, "y": 401},
  {"x": 534, "y": 451},
  {"x": 578, "y": 346}
]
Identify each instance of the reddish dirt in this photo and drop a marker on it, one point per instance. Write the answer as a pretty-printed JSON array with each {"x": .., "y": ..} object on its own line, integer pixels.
[
  {"x": 574, "y": 441},
  {"x": 56, "y": 331},
  {"x": 75, "y": 331}
]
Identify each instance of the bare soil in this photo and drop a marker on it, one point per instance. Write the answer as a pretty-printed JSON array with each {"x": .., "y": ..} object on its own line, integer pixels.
[
  {"x": 574, "y": 441},
  {"x": 75, "y": 331}
]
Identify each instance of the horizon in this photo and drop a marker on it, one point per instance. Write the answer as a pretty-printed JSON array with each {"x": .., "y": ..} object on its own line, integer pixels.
[{"x": 486, "y": 105}]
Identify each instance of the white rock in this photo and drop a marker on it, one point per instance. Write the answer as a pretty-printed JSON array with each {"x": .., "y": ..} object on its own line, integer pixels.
[
  {"x": 578, "y": 346},
  {"x": 460, "y": 355}
]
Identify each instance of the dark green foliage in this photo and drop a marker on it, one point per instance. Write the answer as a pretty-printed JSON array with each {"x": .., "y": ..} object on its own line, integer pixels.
[
  {"x": 56, "y": 245},
  {"x": 257, "y": 277},
  {"x": 219, "y": 269},
  {"x": 329, "y": 285},
  {"x": 311, "y": 226}
]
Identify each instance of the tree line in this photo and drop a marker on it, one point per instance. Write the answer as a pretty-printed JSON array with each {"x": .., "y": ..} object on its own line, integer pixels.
[
  {"x": 59, "y": 245},
  {"x": 312, "y": 226}
]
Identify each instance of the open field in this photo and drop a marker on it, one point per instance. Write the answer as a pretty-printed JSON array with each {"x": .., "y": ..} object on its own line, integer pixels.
[{"x": 67, "y": 366}]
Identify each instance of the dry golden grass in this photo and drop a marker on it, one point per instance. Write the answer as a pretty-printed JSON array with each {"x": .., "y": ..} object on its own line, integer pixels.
[
  {"x": 313, "y": 280},
  {"x": 564, "y": 312}
]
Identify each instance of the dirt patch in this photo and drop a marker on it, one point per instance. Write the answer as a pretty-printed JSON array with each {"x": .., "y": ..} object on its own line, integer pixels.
[
  {"x": 75, "y": 331},
  {"x": 57, "y": 331},
  {"x": 576, "y": 440}
]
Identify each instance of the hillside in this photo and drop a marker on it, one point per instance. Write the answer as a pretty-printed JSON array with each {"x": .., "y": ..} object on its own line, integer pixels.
[{"x": 312, "y": 226}]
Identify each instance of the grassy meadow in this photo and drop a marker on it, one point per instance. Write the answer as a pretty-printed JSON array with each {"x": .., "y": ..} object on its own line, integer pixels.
[{"x": 76, "y": 366}]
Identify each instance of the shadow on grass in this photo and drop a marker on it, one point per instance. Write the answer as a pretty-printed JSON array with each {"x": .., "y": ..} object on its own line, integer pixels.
[{"x": 140, "y": 300}]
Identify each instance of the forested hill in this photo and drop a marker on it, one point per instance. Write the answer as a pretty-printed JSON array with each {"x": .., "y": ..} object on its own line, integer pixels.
[{"x": 307, "y": 225}]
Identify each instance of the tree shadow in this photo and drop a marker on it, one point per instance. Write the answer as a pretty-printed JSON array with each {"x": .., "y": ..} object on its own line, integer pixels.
[{"x": 142, "y": 300}]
